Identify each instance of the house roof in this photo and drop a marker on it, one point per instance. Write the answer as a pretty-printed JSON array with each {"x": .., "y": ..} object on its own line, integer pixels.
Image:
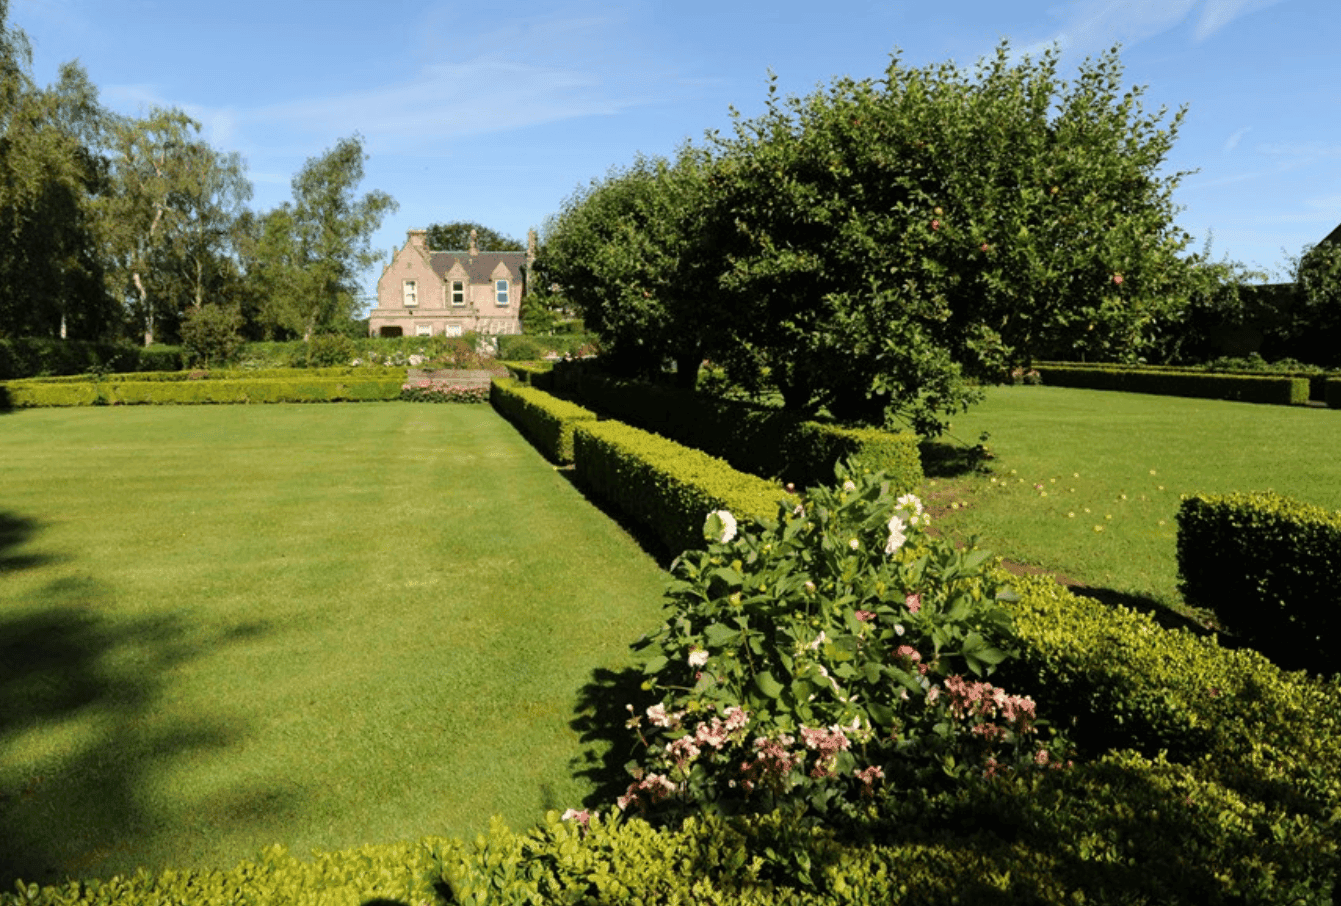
[
  {"x": 1333, "y": 236},
  {"x": 479, "y": 268}
]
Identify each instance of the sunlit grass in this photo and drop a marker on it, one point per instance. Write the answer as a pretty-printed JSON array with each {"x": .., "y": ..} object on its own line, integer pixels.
[
  {"x": 322, "y": 626},
  {"x": 1087, "y": 483}
]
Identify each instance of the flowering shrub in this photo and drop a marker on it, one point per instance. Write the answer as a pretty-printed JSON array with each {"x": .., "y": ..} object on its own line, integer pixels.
[
  {"x": 429, "y": 392},
  {"x": 827, "y": 657}
]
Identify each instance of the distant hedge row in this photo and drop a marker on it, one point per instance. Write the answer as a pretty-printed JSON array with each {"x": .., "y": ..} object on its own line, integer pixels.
[
  {"x": 1248, "y": 388},
  {"x": 27, "y": 394}
]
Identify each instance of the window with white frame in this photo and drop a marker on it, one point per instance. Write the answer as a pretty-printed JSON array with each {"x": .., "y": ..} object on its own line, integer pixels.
[
  {"x": 423, "y": 330},
  {"x": 501, "y": 291},
  {"x": 452, "y": 330},
  {"x": 411, "y": 294},
  {"x": 458, "y": 292}
]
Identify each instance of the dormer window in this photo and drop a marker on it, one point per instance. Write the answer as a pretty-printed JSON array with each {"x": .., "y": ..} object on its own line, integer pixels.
[
  {"x": 411, "y": 294},
  {"x": 458, "y": 292},
  {"x": 501, "y": 291}
]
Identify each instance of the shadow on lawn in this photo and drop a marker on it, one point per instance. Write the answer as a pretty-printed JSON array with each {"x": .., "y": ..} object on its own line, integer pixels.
[
  {"x": 602, "y": 726},
  {"x": 81, "y": 733}
]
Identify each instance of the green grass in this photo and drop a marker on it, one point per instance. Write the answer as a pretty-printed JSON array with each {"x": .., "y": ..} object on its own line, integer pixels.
[
  {"x": 1087, "y": 483},
  {"x": 223, "y": 627}
]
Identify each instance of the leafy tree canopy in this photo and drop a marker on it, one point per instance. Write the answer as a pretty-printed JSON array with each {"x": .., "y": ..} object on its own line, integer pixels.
[{"x": 455, "y": 237}]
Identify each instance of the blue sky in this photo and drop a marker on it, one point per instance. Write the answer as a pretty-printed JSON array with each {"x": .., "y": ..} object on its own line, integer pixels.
[{"x": 496, "y": 113}]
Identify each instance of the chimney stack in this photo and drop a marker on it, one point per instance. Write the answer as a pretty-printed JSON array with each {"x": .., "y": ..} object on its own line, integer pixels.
[
  {"x": 417, "y": 238},
  {"x": 474, "y": 246}
]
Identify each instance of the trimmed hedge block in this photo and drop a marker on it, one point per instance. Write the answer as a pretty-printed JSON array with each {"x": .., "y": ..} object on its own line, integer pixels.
[
  {"x": 1275, "y": 390},
  {"x": 666, "y": 487},
  {"x": 1270, "y": 568},
  {"x": 547, "y": 420},
  {"x": 1243, "y": 722}
]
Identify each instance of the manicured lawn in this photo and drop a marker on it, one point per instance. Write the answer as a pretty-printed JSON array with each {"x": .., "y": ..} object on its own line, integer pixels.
[
  {"x": 1087, "y": 482},
  {"x": 223, "y": 627}
]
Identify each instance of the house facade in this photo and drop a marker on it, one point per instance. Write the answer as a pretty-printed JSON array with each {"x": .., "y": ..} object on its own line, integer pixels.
[{"x": 427, "y": 293}]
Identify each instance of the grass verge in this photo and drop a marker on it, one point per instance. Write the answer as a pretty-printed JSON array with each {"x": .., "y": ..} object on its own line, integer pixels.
[
  {"x": 1087, "y": 483},
  {"x": 227, "y": 627}
]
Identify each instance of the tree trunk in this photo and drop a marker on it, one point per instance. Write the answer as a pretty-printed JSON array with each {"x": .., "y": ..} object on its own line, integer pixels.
[{"x": 148, "y": 312}]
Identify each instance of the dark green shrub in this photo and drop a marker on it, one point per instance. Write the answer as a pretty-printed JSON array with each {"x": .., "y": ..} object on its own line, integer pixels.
[
  {"x": 212, "y": 335},
  {"x": 546, "y": 420},
  {"x": 154, "y": 358},
  {"x": 1270, "y": 568},
  {"x": 769, "y": 443},
  {"x": 520, "y": 349},
  {"x": 325, "y": 351}
]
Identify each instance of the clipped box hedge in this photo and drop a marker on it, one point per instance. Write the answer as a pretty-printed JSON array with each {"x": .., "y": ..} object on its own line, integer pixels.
[
  {"x": 1245, "y": 388},
  {"x": 395, "y": 873},
  {"x": 1270, "y": 568},
  {"x": 1332, "y": 393},
  {"x": 769, "y": 443},
  {"x": 666, "y": 487},
  {"x": 547, "y": 420},
  {"x": 1271, "y": 736}
]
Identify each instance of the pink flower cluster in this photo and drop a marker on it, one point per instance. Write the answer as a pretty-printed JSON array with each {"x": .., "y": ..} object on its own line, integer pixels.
[
  {"x": 912, "y": 657},
  {"x": 984, "y": 701},
  {"x": 654, "y": 787},
  {"x": 868, "y": 777},
  {"x": 828, "y": 743},
  {"x": 772, "y": 761}
]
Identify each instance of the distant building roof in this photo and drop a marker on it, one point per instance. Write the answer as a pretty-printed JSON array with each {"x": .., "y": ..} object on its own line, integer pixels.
[{"x": 479, "y": 267}]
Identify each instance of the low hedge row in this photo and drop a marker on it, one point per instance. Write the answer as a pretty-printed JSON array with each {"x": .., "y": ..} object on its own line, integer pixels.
[
  {"x": 396, "y": 873},
  {"x": 1332, "y": 393},
  {"x": 666, "y": 487},
  {"x": 224, "y": 375},
  {"x": 547, "y": 420},
  {"x": 1121, "y": 830},
  {"x": 1270, "y": 568},
  {"x": 769, "y": 443},
  {"x": 34, "y": 394},
  {"x": 1281, "y": 391}
]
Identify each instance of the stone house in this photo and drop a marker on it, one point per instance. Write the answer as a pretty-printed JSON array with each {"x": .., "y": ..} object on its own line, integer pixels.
[{"x": 428, "y": 293}]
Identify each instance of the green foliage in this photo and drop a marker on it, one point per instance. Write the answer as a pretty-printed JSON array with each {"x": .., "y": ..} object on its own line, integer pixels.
[
  {"x": 666, "y": 488},
  {"x": 456, "y": 237},
  {"x": 634, "y": 254},
  {"x": 548, "y": 421},
  {"x": 1270, "y": 569},
  {"x": 1280, "y": 391},
  {"x": 1315, "y": 327},
  {"x": 211, "y": 335},
  {"x": 842, "y": 623}
]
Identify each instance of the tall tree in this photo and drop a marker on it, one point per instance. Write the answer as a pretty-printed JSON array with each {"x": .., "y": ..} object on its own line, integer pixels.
[
  {"x": 309, "y": 253},
  {"x": 455, "y": 236},
  {"x": 50, "y": 272},
  {"x": 154, "y": 191},
  {"x": 902, "y": 236}
]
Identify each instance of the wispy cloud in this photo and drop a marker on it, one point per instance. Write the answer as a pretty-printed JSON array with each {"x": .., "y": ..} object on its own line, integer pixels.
[
  {"x": 1233, "y": 140},
  {"x": 447, "y": 101},
  {"x": 1092, "y": 26}
]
